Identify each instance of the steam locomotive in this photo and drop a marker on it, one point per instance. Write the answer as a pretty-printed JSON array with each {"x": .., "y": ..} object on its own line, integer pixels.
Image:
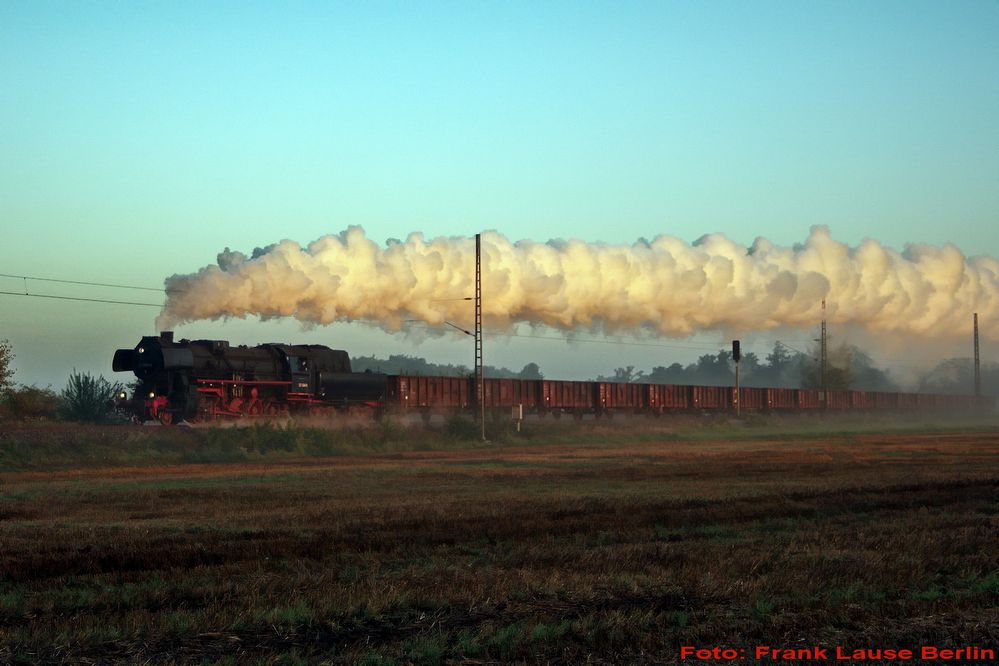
[
  {"x": 207, "y": 380},
  {"x": 190, "y": 380}
]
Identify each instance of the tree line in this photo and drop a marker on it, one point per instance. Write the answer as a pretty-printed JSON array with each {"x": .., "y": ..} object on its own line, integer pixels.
[
  {"x": 84, "y": 398},
  {"x": 847, "y": 367},
  {"x": 401, "y": 364}
]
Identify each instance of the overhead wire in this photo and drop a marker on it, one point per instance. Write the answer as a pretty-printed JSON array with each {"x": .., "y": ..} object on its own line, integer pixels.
[
  {"x": 80, "y": 298},
  {"x": 572, "y": 339},
  {"x": 87, "y": 283},
  {"x": 567, "y": 340},
  {"x": 83, "y": 299},
  {"x": 684, "y": 347}
]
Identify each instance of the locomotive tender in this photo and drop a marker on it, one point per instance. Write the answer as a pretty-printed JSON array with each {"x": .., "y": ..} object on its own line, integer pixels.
[{"x": 209, "y": 379}]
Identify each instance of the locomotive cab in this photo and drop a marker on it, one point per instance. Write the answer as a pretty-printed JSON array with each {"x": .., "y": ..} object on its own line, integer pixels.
[{"x": 301, "y": 375}]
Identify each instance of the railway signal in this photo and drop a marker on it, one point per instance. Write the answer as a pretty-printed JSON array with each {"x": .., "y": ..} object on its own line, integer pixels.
[{"x": 736, "y": 356}]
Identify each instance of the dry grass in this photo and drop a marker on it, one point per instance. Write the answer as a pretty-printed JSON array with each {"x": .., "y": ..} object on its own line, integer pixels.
[{"x": 612, "y": 552}]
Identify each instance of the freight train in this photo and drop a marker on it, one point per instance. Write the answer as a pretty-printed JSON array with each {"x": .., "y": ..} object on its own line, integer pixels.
[{"x": 206, "y": 380}]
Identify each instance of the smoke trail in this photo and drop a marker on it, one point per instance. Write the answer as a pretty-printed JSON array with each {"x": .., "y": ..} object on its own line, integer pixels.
[{"x": 665, "y": 285}]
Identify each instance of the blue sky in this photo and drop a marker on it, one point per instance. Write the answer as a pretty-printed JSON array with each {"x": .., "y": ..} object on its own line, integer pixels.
[{"x": 137, "y": 140}]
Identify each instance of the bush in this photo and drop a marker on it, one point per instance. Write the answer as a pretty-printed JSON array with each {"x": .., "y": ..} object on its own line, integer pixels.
[
  {"x": 31, "y": 402},
  {"x": 89, "y": 398},
  {"x": 6, "y": 356},
  {"x": 461, "y": 427}
]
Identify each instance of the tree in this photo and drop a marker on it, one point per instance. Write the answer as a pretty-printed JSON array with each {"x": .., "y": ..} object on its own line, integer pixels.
[
  {"x": 6, "y": 372},
  {"x": 89, "y": 398},
  {"x": 750, "y": 364},
  {"x": 30, "y": 402},
  {"x": 531, "y": 371},
  {"x": 626, "y": 375},
  {"x": 674, "y": 374},
  {"x": 715, "y": 369},
  {"x": 866, "y": 376},
  {"x": 838, "y": 364},
  {"x": 779, "y": 357},
  {"x": 847, "y": 366},
  {"x": 781, "y": 370},
  {"x": 957, "y": 376}
]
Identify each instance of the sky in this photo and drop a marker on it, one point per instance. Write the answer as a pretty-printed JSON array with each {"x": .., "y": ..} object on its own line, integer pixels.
[{"x": 139, "y": 140}]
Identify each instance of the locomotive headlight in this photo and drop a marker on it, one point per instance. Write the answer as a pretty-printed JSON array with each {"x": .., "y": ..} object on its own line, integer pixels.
[
  {"x": 122, "y": 395},
  {"x": 142, "y": 350},
  {"x": 152, "y": 394}
]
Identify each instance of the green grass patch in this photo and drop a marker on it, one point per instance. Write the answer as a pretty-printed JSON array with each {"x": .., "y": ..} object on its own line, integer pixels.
[
  {"x": 468, "y": 645},
  {"x": 988, "y": 584},
  {"x": 933, "y": 593},
  {"x": 695, "y": 532},
  {"x": 425, "y": 650},
  {"x": 59, "y": 445},
  {"x": 294, "y": 615}
]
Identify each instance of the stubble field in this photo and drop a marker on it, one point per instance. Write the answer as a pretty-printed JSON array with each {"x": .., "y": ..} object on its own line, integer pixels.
[{"x": 606, "y": 550}]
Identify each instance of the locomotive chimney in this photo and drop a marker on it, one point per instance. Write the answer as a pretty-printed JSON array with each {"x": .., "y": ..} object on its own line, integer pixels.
[{"x": 166, "y": 336}]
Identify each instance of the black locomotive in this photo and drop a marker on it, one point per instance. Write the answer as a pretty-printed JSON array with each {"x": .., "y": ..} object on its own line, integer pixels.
[{"x": 190, "y": 380}]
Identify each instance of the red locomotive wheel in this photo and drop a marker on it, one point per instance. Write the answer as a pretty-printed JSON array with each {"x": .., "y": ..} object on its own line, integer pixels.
[{"x": 166, "y": 418}]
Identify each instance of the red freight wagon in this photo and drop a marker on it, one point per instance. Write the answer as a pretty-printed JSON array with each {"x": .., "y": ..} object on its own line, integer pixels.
[
  {"x": 885, "y": 400},
  {"x": 662, "y": 397},
  {"x": 838, "y": 399},
  {"x": 527, "y": 392},
  {"x": 752, "y": 398},
  {"x": 862, "y": 399},
  {"x": 956, "y": 402},
  {"x": 577, "y": 396},
  {"x": 808, "y": 398},
  {"x": 925, "y": 401},
  {"x": 781, "y": 398},
  {"x": 411, "y": 392},
  {"x": 496, "y": 391},
  {"x": 942, "y": 401},
  {"x": 510, "y": 392},
  {"x": 907, "y": 401},
  {"x": 711, "y": 397},
  {"x": 620, "y": 395}
]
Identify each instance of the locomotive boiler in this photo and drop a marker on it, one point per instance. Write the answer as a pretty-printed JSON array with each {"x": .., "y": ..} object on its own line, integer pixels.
[{"x": 190, "y": 380}]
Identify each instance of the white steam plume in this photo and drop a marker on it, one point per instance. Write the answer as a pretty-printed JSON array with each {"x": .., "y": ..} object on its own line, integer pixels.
[{"x": 665, "y": 285}]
